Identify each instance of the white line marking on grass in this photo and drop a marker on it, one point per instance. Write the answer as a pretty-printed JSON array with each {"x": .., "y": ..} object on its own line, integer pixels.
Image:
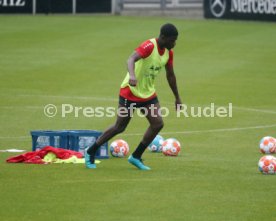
[
  {"x": 208, "y": 131},
  {"x": 176, "y": 132},
  {"x": 255, "y": 110},
  {"x": 235, "y": 107},
  {"x": 165, "y": 103}
]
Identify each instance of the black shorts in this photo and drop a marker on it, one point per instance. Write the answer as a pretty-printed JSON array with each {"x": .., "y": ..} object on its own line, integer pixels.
[{"x": 128, "y": 103}]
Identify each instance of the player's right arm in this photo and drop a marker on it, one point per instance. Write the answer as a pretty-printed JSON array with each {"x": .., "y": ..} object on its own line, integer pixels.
[
  {"x": 143, "y": 51},
  {"x": 131, "y": 68}
]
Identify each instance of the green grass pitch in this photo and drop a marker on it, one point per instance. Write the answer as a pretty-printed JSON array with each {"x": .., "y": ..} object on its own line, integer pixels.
[{"x": 81, "y": 60}]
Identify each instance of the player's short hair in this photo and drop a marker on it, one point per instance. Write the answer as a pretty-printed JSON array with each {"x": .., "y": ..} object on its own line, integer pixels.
[{"x": 168, "y": 30}]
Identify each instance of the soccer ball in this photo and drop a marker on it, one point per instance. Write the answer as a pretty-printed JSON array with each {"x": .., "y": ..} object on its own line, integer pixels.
[
  {"x": 267, "y": 165},
  {"x": 171, "y": 147},
  {"x": 156, "y": 144},
  {"x": 268, "y": 145},
  {"x": 119, "y": 148}
]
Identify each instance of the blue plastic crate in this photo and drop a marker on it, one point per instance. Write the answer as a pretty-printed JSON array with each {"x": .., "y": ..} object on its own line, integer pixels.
[
  {"x": 81, "y": 139},
  {"x": 42, "y": 138}
]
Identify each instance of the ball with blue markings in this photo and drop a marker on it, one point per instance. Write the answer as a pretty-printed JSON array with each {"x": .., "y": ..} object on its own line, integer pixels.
[{"x": 156, "y": 144}]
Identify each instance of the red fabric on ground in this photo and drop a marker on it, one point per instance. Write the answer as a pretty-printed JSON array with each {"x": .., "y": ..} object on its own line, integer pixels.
[{"x": 36, "y": 157}]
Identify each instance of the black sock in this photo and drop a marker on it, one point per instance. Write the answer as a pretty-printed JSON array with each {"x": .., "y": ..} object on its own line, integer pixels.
[
  {"x": 139, "y": 151},
  {"x": 93, "y": 149}
]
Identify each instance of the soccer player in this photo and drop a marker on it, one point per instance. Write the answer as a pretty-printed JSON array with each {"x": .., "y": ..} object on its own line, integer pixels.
[{"x": 138, "y": 91}]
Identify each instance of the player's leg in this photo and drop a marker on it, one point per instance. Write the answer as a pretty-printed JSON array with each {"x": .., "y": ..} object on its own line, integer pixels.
[
  {"x": 123, "y": 118},
  {"x": 120, "y": 125},
  {"x": 156, "y": 124}
]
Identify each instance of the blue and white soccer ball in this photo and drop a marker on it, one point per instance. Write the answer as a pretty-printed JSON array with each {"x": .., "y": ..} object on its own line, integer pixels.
[{"x": 156, "y": 144}]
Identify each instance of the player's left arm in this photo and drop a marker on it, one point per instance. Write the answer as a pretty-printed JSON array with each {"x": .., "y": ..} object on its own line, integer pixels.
[{"x": 173, "y": 85}]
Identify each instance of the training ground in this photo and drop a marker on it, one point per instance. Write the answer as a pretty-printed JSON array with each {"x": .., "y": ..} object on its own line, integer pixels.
[{"x": 81, "y": 60}]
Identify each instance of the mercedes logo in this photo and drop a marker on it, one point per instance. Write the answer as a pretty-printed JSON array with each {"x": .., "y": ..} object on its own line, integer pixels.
[{"x": 217, "y": 7}]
